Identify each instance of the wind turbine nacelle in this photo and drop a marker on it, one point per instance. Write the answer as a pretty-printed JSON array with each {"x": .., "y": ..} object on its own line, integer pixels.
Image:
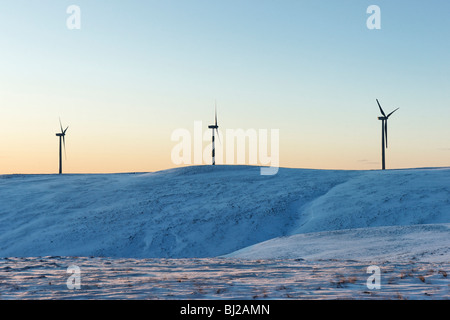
[
  {"x": 382, "y": 118},
  {"x": 213, "y": 127},
  {"x": 59, "y": 135}
]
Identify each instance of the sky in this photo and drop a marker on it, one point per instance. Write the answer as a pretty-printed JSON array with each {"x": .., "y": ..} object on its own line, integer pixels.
[{"x": 135, "y": 72}]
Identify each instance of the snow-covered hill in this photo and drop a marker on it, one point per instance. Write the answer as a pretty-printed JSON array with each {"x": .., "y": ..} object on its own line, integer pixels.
[{"x": 206, "y": 211}]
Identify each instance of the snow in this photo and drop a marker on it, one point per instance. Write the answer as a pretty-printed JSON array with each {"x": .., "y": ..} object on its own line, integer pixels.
[
  {"x": 425, "y": 243},
  {"x": 181, "y": 213},
  {"x": 206, "y": 211},
  {"x": 206, "y": 215},
  {"x": 217, "y": 278}
]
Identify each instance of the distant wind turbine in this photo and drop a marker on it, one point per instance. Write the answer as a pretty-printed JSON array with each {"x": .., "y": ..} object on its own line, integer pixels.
[
  {"x": 384, "y": 138},
  {"x": 62, "y": 141},
  {"x": 214, "y": 127}
]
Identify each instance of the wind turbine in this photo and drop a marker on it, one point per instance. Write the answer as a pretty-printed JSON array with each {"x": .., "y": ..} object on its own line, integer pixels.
[
  {"x": 214, "y": 127},
  {"x": 384, "y": 138},
  {"x": 62, "y": 141}
]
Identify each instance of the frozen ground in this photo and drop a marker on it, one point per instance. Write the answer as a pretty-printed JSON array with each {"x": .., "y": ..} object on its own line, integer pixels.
[
  {"x": 231, "y": 220},
  {"x": 218, "y": 278}
]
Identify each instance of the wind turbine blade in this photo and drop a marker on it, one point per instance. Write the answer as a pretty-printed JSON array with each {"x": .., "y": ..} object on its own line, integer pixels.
[
  {"x": 385, "y": 133},
  {"x": 215, "y": 112},
  {"x": 392, "y": 113},
  {"x": 64, "y": 144},
  {"x": 381, "y": 109},
  {"x": 60, "y": 124},
  {"x": 64, "y": 132},
  {"x": 218, "y": 135}
]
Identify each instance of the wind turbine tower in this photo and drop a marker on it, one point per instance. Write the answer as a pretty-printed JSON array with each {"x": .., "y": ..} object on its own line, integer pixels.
[
  {"x": 384, "y": 138},
  {"x": 214, "y": 127},
  {"x": 62, "y": 142}
]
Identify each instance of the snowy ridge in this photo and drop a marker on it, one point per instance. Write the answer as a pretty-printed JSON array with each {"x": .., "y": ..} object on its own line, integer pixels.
[{"x": 232, "y": 211}]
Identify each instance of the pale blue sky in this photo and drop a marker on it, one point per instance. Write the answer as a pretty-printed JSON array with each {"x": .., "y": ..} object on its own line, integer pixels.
[{"x": 138, "y": 70}]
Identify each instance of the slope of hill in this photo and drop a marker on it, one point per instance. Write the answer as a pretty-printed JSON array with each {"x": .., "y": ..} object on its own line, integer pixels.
[{"x": 206, "y": 211}]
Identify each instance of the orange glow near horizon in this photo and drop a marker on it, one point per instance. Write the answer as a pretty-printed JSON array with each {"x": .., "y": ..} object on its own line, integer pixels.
[
  {"x": 141, "y": 155},
  {"x": 311, "y": 71}
]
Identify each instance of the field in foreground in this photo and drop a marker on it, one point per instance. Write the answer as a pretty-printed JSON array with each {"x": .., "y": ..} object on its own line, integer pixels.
[{"x": 218, "y": 278}]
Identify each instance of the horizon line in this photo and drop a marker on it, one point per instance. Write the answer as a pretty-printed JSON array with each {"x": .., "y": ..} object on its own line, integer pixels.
[{"x": 218, "y": 165}]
